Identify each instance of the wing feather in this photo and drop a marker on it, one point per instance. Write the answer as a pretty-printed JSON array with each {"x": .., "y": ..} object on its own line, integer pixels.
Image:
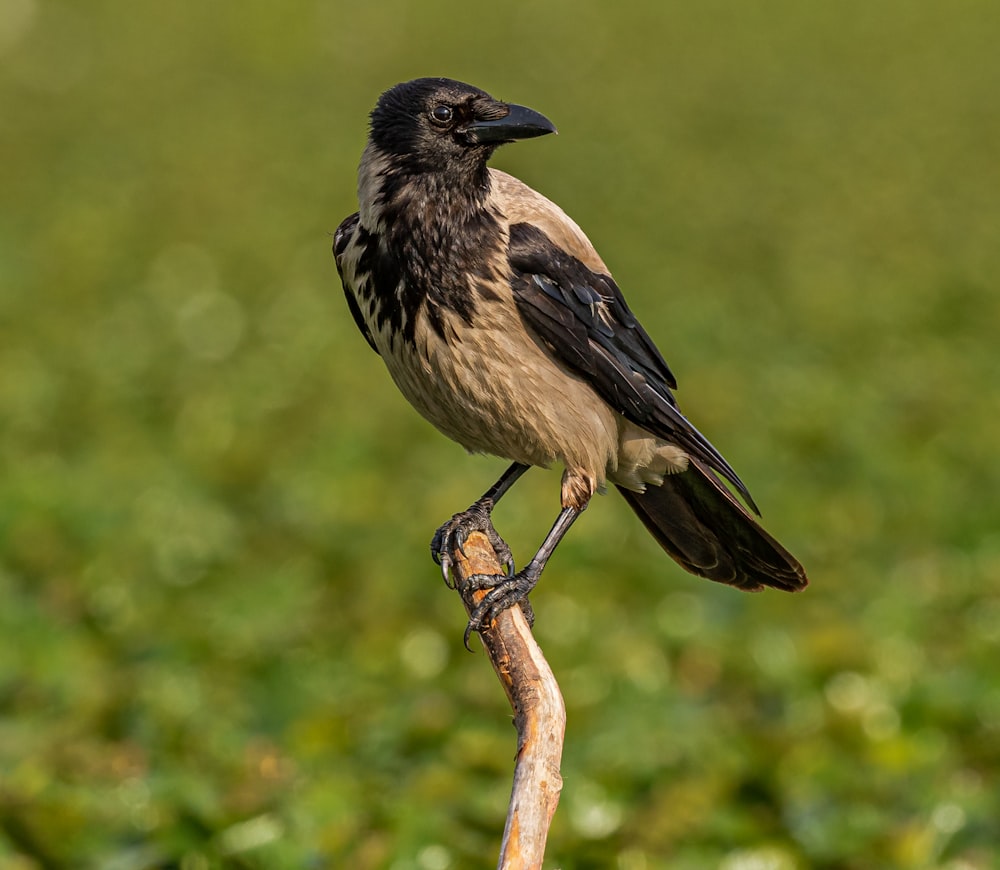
[
  {"x": 582, "y": 318},
  {"x": 342, "y": 239}
]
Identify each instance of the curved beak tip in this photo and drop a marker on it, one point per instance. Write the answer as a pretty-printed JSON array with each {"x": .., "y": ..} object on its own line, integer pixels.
[{"x": 519, "y": 123}]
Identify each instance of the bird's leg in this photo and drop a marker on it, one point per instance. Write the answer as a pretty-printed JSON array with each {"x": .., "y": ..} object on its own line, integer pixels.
[
  {"x": 514, "y": 589},
  {"x": 452, "y": 535}
]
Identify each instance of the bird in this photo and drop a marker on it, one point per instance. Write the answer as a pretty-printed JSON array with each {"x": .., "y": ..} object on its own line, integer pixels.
[{"x": 500, "y": 323}]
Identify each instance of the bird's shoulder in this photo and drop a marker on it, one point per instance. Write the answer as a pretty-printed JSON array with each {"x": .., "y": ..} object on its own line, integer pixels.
[
  {"x": 564, "y": 289},
  {"x": 343, "y": 238},
  {"x": 522, "y": 204}
]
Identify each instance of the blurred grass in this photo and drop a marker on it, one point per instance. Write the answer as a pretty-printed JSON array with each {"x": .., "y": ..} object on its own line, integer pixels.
[{"x": 223, "y": 642}]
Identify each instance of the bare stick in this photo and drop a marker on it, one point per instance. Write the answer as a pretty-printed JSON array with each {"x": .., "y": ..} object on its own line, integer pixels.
[{"x": 539, "y": 714}]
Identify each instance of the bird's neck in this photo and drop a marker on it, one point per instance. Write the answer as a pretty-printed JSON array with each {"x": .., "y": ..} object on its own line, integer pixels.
[
  {"x": 438, "y": 236},
  {"x": 412, "y": 202}
]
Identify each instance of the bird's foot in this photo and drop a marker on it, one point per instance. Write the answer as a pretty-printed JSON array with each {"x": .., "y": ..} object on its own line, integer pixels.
[
  {"x": 454, "y": 533},
  {"x": 504, "y": 592}
]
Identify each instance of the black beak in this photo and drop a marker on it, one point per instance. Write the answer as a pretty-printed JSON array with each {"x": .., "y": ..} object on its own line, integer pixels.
[{"x": 519, "y": 123}]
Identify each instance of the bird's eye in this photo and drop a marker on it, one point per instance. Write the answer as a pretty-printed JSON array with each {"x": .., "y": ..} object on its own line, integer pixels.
[{"x": 441, "y": 114}]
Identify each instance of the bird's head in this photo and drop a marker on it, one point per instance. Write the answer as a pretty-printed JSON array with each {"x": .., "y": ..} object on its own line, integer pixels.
[{"x": 437, "y": 124}]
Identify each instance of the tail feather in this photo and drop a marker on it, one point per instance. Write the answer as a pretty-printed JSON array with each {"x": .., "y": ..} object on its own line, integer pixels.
[{"x": 709, "y": 533}]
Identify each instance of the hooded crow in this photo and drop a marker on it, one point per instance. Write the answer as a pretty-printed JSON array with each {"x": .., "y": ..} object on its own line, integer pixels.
[{"x": 502, "y": 326}]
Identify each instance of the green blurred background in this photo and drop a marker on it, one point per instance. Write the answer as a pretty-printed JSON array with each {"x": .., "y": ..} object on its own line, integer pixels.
[{"x": 223, "y": 641}]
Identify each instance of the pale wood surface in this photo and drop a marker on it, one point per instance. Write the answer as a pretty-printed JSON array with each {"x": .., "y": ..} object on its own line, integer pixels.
[{"x": 539, "y": 715}]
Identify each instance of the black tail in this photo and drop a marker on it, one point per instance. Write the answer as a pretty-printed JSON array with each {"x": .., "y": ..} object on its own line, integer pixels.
[{"x": 702, "y": 525}]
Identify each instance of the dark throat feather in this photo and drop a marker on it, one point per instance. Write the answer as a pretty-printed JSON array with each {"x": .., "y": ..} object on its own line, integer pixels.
[{"x": 437, "y": 256}]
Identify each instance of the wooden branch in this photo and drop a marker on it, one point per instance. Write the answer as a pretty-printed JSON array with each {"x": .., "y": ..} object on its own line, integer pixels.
[{"x": 539, "y": 714}]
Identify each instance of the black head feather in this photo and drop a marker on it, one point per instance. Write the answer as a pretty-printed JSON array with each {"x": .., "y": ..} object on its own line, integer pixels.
[
  {"x": 423, "y": 122},
  {"x": 439, "y": 124}
]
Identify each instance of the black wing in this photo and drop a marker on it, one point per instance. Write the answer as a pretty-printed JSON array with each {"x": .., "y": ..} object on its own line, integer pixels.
[
  {"x": 583, "y": 320},
  {"x": 341, "y": 239}
]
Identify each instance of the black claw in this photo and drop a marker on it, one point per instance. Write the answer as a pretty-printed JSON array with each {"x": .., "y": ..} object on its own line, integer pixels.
[
  {"x": 437, "y": 547},
  {"x": 446, "y": 571},
  {"x": 454, "y": 534},
  {"x": 478, "y": 618},
  {"x": 452, "y": 537},
  {"x": 468, "y": 633},
  {"x": 504, "y": 592}
]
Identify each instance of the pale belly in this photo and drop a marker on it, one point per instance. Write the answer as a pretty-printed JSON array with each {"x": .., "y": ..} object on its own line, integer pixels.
[{"x": 496, "y": 391}]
